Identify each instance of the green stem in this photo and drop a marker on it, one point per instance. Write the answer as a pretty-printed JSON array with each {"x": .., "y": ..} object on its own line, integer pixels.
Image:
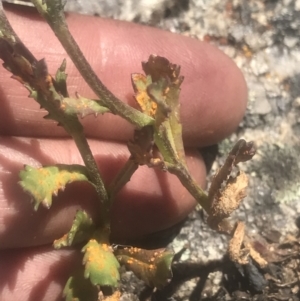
[
  {"x": 122, "y": 178},
  {"x": 53, "y": 12},
  {"x": 190, "y": 184},
  {"x": 47, "y": 98},
  {"x": 74, "y": 128},
  {"x": 90, "y": 163}
]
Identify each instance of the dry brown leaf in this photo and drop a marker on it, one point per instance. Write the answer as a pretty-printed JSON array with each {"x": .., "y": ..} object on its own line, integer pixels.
[
  {"x": 240, "y": 255},
  {"x": 235, "y": 251},
  {"x": 230, "y": 198}
]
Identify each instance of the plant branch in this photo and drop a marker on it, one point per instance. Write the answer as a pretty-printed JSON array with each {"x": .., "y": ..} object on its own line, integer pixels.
[
  {"x": 122, "y": 178},
  {"x": 90, "y": 163},
  {"x": 53, "y": 12},
  {"x": 33, "y": 74},
  {"x": 189, "y": 183}
]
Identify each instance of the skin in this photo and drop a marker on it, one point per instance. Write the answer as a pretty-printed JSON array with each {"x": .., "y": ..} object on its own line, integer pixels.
[{"x": 213, "y": 101}]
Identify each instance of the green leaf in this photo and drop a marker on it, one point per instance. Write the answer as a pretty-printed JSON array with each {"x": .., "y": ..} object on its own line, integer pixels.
[
  {"x": 42, "y": 183},
  {"x": 78, "y": 288},
  {"x": 82, "y": 229},
  {"x": 157, "y": 94},
  {"x": 61, "y": 79},
  {"x": 82, "y": 106},
  {"x": 101, "y": 266},
  {"x": 166, "y": 89},
  {"x": 152, "y": 266}
]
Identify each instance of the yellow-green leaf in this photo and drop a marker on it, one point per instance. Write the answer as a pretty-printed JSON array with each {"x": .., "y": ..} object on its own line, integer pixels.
[
  {"x": 101, "y": 266},
  {"x": 41, "y": 183}
]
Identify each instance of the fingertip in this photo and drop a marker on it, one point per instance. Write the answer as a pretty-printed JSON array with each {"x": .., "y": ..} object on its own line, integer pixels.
[
  {"x": 213, "y": 94},
  {"x": 36, "y": 273}
]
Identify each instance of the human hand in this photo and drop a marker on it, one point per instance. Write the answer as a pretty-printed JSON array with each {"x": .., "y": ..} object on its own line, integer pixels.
[{"x": 213, "y": 100}]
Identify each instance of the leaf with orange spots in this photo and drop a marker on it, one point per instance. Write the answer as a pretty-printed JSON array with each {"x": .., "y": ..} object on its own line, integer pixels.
[
  {"x": 82, "y": 229},
  {"x": 152, "y": 266},
  {"x": 82, "y": 106},
  {"x": 101, "y": 266},
  {"x": 41, "y": 183},
  {"x": 140, "y": 82},
  {"x": 78, "y": 288},
  {"x": 157, "y": 94}
]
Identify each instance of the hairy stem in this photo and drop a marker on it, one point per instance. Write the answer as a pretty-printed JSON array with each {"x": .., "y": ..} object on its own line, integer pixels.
[
  {"x": 90, "y": 163},
  {"x": 74, "y": 128},
  {"x": 46, "y": 95},
  {"x": 190, "y": 184},
  {"x": 53, "y": 12},
  {"x": 122, "y": 178}
]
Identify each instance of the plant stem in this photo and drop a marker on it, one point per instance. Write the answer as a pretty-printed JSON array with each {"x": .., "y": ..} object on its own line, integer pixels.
[
  {"x": 53, "y": 12},
  {"x": 190, "y": 184},
  {"x": 74, "y": 128},
  {"x": 90, "y": 163},
  {"x": 47, "y": 96},
  {"x": 122, "y": 178}
]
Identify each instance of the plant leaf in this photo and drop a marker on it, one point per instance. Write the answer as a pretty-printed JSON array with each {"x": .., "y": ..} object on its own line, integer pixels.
[
  {"x": 157, "y": 94},
  {"x": 61, "y": 79},
  {"x": 82, "y": 106},
  {"x": 241, "y": 152},
  {"x": 226, "y": 192},
  {"x": 82, "y": 229},
  {"x": 229, "y": 198},
  {"x": 166, "y": 89},
  {"x": 101, "y": 266},
  {"x": 140, "y": 82},
  {"x": 152, "y": 266},
  {"x": 78, "y": 288},
  {"x": 41, "y": 183}
]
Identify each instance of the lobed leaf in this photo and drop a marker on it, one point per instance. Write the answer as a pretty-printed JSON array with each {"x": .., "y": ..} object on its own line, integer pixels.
[
  {"x": 157, "y": 94},
  {"x": 152, "y": 266},
  {"x": 42, "y": 183},
  {"x": 82, "y": 229},
  {"x": 101, "y": 266}
]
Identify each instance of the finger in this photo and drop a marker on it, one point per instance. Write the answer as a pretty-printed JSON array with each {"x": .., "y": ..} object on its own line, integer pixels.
[
  {"x": 153, "y": 200},
  {"x": 213, "y": 94},
  {"x": 36, "y": 274}
]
